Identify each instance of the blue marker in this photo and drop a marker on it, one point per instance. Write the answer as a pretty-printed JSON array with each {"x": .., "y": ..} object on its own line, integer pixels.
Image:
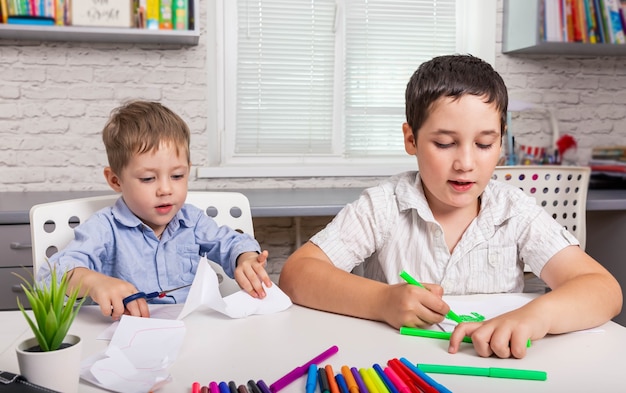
[
  {"x": 390, "y": 386},
  {"x": 341, "y": 382},
  {"x": 440, "y": 388},
  {"x": 224, "y": 387},
  {"x": 311, "y": 379}
]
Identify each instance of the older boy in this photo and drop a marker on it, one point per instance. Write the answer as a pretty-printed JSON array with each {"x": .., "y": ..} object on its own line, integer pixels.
[
  {"x": 451, "y": 226},
  {"x": 150, "y": 240}
]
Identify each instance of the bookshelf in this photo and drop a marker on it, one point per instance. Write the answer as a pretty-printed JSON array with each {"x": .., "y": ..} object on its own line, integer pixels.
[
  {"x": 103, "y": 34},
  {"x": 521, "y": 34}
]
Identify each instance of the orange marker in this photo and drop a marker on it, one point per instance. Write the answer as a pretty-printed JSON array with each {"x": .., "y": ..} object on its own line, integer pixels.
[
  {"x": 353, "y": 387},
  {"x": 332, "y": 382}
]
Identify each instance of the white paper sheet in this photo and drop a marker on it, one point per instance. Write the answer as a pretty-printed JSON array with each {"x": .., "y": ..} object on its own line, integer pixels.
[
  {"x": 204, "y": 293},
  {"x": 137, "y": 359},
  {"x": 489, "y": 306}
]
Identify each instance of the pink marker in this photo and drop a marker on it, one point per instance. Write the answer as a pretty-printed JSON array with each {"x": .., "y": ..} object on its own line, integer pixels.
[{"x": 302, "y": 370}]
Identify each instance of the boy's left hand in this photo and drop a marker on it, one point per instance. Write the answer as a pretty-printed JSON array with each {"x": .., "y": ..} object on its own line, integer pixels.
[
  {"x": 250, "y": 273},
  {"x": 504, "y": 336}
]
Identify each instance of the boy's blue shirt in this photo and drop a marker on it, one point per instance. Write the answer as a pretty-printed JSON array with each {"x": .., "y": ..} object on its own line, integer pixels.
[{"x": 116, "y": 243}]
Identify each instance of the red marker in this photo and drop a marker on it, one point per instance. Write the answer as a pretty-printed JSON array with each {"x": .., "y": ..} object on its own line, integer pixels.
[{"x": 195, "y": 387}]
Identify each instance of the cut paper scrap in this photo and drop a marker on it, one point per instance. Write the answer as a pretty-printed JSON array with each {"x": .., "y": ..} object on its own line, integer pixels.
[
  {"x": 204, "y": 293},
  {"x": 138, "y": 356}
]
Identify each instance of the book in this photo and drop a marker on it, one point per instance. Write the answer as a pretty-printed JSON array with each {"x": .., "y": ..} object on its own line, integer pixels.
[
  {"x": 604, "y": 38},
  {"x": 30, "y": 20},
  {"x": 181, "y": 15},
  {"x": 592, "y": 24},
  {"x": 4, "y": 11},
  {"x": 165, "y": 15},
  {"x": 617, "y": 30},
  {"x": 152, "y": 14}
]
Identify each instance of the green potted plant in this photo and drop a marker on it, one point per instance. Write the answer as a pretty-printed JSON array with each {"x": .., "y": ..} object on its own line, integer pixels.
[{"x": 53, "y": 309}]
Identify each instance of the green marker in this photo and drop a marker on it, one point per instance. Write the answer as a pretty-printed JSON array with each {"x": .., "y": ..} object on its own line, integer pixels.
[
  {"x": 407, "y": 277},
  {"x": 411, "y": 331},
  {"x": 493, "y": 372}
]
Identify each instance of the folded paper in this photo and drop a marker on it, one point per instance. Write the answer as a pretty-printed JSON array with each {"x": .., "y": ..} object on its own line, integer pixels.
[{"x": 204, "y": 293}]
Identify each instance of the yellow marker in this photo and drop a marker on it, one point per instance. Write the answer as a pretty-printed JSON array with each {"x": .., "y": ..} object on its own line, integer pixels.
[
  {"x": 380, "y": 385},
  {"x": 369, "y": 384}
]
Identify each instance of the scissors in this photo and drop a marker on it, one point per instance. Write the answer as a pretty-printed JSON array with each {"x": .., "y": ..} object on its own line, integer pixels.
[{"x": 150, "y": 295}]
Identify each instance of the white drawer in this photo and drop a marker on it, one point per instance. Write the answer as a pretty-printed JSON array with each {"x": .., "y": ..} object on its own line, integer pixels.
[{"x": 15, "y": 246}]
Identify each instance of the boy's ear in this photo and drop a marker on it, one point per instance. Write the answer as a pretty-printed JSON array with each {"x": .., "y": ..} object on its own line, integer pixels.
[
  {"x": 112, "y": 179},
  {"x": 410, "y": 144}
]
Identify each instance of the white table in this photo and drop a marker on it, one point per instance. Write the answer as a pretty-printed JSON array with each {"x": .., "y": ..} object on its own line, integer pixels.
[{"x": 218, "y": 348}]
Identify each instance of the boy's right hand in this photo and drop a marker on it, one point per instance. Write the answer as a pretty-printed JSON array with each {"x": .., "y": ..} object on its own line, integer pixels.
[
  {"x": 410, "y": 305},
  {"x": 109, "y": 293}
]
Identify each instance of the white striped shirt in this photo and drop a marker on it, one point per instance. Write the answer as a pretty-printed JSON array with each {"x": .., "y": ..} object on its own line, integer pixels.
[{"x": 392, "y": 227}]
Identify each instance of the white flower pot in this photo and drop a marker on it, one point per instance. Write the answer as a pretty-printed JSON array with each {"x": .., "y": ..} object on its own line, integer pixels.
[{"x": 57, "y": 370}]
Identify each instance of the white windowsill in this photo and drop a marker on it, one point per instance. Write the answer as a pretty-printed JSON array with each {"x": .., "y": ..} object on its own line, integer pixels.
[{"x": 303, "y": 171}]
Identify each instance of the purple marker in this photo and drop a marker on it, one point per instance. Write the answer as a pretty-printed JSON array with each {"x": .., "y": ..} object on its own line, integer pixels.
[
  {"x": 359, "y": 380},
  {"x": 302, "y": 370},
  {"x": 263, "y": 386}
]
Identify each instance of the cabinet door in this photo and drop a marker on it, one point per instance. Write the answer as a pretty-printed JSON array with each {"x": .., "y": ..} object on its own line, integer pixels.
[
  {"x": 15, "y": 246},
  {"x": 10, "y": 287}
]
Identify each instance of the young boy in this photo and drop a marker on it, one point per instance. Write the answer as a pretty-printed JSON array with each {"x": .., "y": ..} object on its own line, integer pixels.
[
  {"x": 451, "y": 226},
  {"x": 150, "y": 240}
]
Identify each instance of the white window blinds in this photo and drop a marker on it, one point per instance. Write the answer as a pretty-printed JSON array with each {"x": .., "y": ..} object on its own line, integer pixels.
[{"x": 321, "y": 82}]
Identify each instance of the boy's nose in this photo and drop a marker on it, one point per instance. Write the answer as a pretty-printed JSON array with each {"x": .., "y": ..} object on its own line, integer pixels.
[
  {"x": 464, "y": 160},
  {"x": 164, "y": 188}
]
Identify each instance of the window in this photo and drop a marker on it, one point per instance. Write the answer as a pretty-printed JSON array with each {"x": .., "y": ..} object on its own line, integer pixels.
[{"x": 316, "y": 87}]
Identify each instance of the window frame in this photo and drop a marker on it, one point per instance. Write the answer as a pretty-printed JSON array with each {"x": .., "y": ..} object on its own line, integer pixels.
[{"x": 475, "y": 16}]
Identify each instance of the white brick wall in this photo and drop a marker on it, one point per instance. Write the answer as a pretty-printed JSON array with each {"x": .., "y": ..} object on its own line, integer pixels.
[{"x": 55, "y": 97}]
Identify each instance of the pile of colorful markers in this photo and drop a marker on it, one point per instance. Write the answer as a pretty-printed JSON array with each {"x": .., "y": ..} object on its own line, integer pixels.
[{"x": 399, "y": 376}]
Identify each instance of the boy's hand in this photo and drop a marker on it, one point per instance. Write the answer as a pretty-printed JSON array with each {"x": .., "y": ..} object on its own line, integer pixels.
[
  {"x": 250, "y": 273},
  {"x": 410, "y": 305},
  {"x": 504, "y": 336},
  {"x": 109, "y": 292}
]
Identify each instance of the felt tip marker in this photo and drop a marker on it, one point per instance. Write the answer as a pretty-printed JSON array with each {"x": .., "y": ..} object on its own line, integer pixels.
[
  {"x": 367, "y": 379},
  {"x": 378, "y": 382},
  {"x": 252, "y": 387},
  {"x": 322, "y": 378},
  {"x": 263, "y": 386},
  {"x": 411, "y": 331},
  {"x": 494, "y": 372},
  {"x": 213, "y": 388},
  {"x": 359, "y": 381},
  {"x": 302, "y": 370},
  {"x": 381, "y": 373},
  {"x": 195, "y": 387},
  {"x": 409, "y": 279},
  {"x": 224, "y": 387},
  {"x": 330, "y": 375},
  {"x": 438, "y": 387},
  {"x": 341, "y": 382},
  {"x": 205, "y": 389},
  {"x": 350, "y": 381},
  {"x": 397, "y": 381},
  {"x": 311, "y": 379}
]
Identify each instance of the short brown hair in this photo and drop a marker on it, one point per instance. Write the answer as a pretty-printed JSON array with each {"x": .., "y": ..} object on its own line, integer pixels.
[
  {"x": 139, "y": 127},
  {"x": 453, "y": 76}
]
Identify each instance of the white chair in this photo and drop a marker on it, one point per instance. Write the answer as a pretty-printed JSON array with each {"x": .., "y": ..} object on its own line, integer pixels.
[
  {"x": 52, "y": 224},
  {"x": 560, "y": 190}
]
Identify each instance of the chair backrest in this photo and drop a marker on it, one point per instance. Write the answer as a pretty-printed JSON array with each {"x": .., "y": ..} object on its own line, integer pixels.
[
  {"x": 52, "y": 224},
  {"x": 560, "y": 190}
]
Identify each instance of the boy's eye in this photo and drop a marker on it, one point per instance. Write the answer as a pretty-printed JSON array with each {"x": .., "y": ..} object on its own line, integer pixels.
[
  {"x": 443, "y": 145},
  {"x": 146, "y": 179},
  {"x": 484, "y": 146},
  {"x": 178, "y": 177}
]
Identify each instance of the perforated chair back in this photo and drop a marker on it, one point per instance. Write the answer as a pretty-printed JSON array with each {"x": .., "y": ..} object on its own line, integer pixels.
[
  {"x": 560, "y": 190},
  {"x": 52, "y": 224}
]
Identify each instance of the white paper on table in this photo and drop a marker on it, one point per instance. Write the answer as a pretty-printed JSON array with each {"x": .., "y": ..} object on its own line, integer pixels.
[
  {"x": 204, "y": 292},
  {"x": 138, "y": 355},
  {"x": 488, "y": 306}
]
